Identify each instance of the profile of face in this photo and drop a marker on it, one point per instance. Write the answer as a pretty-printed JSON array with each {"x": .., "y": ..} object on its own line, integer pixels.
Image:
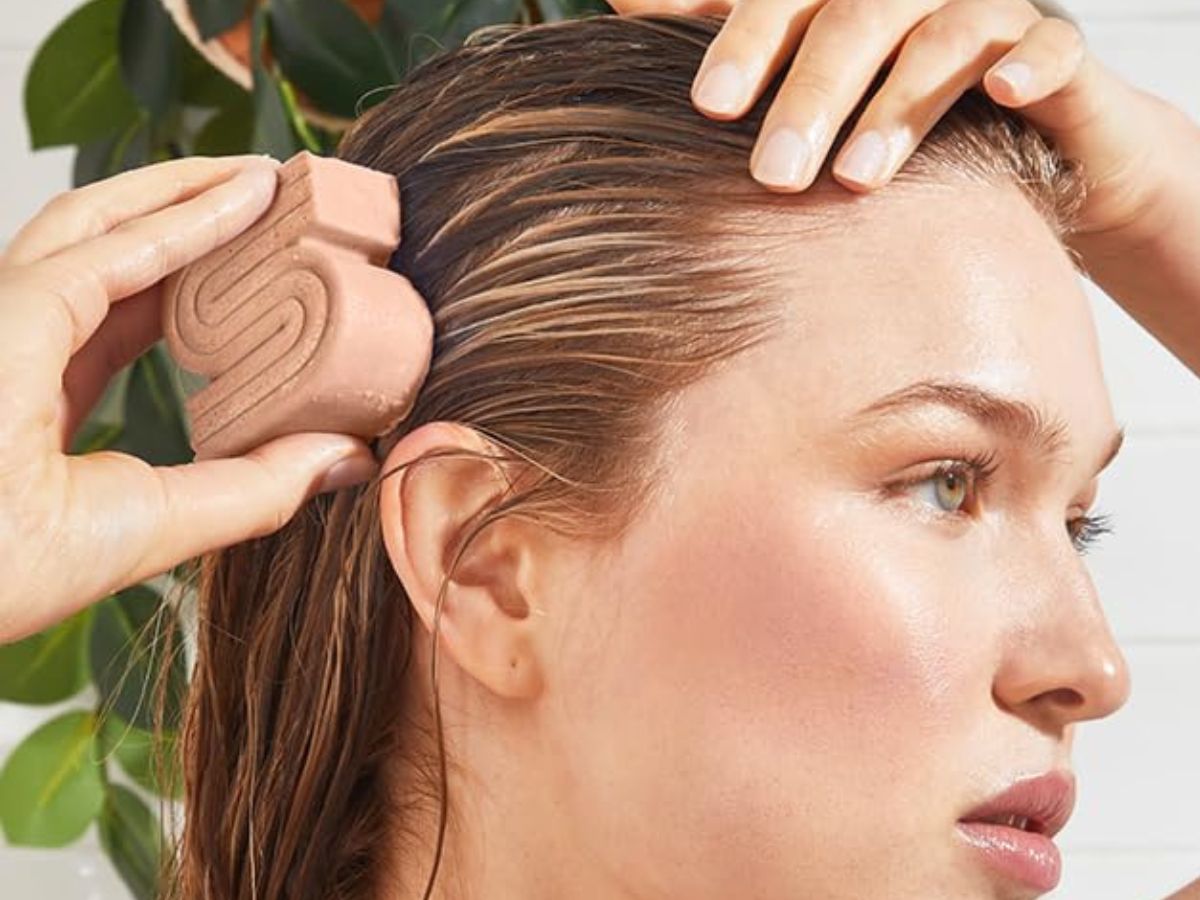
[{"x": 829, "y": 636}]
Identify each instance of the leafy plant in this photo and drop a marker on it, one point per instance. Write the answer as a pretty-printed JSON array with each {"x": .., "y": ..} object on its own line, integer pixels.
[{"x": 119, "y": 82}]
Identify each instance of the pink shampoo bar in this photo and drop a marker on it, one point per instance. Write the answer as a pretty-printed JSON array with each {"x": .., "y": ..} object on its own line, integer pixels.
[{"x": 297, "y": 322}]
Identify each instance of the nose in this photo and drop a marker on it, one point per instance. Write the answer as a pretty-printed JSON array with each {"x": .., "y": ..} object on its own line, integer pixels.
[{"x": 1061, "y": 663}]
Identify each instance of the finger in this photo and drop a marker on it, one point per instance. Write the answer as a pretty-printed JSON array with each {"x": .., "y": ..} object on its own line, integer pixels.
[
  {"x": 89, "y": 211},
  {"x": 1090, "y": 113},
  {"x": 129, "y": 331},
  {"x": 758, "y": 37},
  {"x": 843, "y": 49},
  {"x": 1045, "y": 61},
  {"x": 53, "y": 306},
  {"x": 153, "y": 518},
  {"x": 944, "y": 56}
]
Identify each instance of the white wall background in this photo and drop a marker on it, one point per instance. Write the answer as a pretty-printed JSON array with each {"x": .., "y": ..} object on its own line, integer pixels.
[{"x": 1136, "y": 831}]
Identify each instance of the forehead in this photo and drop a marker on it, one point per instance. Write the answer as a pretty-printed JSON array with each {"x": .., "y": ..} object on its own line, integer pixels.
[{"x": 935, "y": 281}]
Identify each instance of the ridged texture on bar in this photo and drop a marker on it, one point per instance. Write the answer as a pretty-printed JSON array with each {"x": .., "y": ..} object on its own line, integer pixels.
[{"x": 297, "y": 322}]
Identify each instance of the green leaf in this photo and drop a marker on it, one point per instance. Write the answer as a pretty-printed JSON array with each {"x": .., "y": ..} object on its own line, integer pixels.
[
  {"x": 130, "y": 632},
  {"x": 555, "y": 10},
  {"x": 49, "y": 666},
  {"x": 329, "y": 52},
  {"x": 124, "y": 149},
  {"x": 410, "y": 30},
  {"x": 131, "y": 836},
  {"x": 273, "y": 131},
  {"x": 465, "y": 16},
  {"x": 147, "y": 42},
  {"x": 136, "y": 750},
  {"x": 415, "y": 30},
  {"x": 93, "y": 160},
  {"x": 155, "y": 429},
  {"x": 226, "y": 133},
  {"x": 51, "y": 787},
  {"x": 93, "y": 436},
  {"x": 300, "y": 126},
  {"x": 203, "y": 84},
  {"x": 104, "y": 424},
  {"x": 74, "y": 91},
  {"x": 212, "y": 17}
]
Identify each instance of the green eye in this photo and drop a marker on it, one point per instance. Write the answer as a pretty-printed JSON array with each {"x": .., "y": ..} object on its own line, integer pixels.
[
  {"x": 954, "y": 482},
  {"x": 948, "y": 489}
]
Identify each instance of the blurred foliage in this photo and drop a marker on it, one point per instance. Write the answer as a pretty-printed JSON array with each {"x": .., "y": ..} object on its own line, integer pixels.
[{"x": 119, "y": 82}]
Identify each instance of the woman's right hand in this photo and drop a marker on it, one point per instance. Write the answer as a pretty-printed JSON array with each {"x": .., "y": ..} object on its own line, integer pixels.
[{"x": 80, "y": 297}]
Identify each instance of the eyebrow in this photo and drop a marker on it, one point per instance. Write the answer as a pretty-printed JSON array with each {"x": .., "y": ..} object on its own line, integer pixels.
[{"x": 1017, "y": 419}]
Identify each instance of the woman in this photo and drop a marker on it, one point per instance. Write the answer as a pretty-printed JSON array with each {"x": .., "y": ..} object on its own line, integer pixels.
[{"x": 748, "y": 524}]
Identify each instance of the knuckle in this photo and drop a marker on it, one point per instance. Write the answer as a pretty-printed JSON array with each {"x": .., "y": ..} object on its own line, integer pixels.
[
  {"x": 82, "y": 216},
  {"x": 60, "y": 279},
  {"x": 90, "y": 219},
  {"x": 853, "y": 16},
  {"x": 159, "y": 262},
  {"x": 1065, "y": 35},
  {"x": 155, "y": 256},
  {"x": 59, "y": 202},
  {"x": 807, "y": 84},
  {"x": 67, "y": 289},
  {"x": 745, "y": 34},
  {"x": 957, "y": 30}
]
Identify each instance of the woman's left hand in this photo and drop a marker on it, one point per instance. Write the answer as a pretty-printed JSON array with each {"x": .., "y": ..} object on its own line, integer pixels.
[
  {"x": 939, "y": 49},
  {"x": 1140, "y": 219}
]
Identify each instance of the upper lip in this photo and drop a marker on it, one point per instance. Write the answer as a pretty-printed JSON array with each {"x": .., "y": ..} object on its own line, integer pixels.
[{"x": 1047, "y": 801}]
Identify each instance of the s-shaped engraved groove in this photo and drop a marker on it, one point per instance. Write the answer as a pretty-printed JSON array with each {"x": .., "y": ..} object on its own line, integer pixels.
[{"x": 297, "y": 322}]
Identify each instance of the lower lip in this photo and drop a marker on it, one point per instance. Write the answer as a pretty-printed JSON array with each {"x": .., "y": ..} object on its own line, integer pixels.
[{"x": 1029, "y": 858}]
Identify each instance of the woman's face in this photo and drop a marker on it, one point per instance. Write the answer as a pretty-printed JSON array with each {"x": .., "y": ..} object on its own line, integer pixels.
[{"x": 795, "y": 673}]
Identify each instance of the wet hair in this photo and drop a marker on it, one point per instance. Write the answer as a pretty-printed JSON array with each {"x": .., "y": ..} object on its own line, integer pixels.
[{"x": 589, "y": 244}]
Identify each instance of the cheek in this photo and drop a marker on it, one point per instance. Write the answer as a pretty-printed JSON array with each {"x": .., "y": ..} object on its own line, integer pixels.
[
  {"x": 798, "y": 626},
  {"x": 775, "y": 681}
]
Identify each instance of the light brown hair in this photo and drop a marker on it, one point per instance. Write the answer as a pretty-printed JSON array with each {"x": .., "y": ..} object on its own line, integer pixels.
[{"x": 588, "y": 244}]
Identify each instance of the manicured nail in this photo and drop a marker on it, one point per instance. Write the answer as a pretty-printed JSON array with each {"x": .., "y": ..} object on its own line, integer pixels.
[
  {"x": 782, "y": 157},
  {"x": 866, "y": 159},
  {"x": 1018, "y": 76},
  {"x": 721, "y": 88}
]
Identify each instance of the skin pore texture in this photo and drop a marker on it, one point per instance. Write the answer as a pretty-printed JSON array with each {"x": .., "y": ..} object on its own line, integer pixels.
[{"x": 792, "y": 674}]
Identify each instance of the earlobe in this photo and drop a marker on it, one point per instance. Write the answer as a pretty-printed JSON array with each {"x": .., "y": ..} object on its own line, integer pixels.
[{"x": 426, "y": 510}]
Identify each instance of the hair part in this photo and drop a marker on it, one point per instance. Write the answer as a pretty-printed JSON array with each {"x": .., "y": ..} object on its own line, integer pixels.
[{"x": 571, "y": 220}]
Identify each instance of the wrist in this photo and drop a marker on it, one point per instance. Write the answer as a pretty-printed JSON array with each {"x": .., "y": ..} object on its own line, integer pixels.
[{"x": 1165, "y": 185}]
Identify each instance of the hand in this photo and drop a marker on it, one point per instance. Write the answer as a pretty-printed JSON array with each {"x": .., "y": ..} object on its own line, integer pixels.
[
  {"x": 80, "y": 297},
  {"x": 1187, "y": 892},
  {"x": 940, "y": 48}
]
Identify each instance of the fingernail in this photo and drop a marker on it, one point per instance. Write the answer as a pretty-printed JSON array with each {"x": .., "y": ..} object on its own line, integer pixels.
[
  {"x": 1017, "y": 75},
  {"x": 866, "y": 158},
  {"x": 782, "y": 157},
  {"x": 721, "y": 88},
  {"x": 346, "y": 473}
]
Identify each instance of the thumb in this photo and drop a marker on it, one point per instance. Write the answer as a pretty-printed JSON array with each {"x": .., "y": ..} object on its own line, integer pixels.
[
  {"x": 157, "y": 517},
  {"x": 319, "y": 462},
  {"x": 1090, "y": 113}
]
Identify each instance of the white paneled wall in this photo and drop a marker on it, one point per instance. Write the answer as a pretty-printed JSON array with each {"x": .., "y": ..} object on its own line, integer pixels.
[{"x": 1135, "y": 834}]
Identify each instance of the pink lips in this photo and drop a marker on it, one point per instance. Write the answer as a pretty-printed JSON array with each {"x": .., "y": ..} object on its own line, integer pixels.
[{"x": 1028, "y": 854}]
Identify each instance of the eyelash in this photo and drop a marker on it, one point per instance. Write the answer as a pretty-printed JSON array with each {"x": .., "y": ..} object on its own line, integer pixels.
[{"x": 977, "y": 469}]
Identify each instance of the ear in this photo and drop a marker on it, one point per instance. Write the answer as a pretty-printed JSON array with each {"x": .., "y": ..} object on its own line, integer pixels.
[{"x": 426, "y": 510}]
